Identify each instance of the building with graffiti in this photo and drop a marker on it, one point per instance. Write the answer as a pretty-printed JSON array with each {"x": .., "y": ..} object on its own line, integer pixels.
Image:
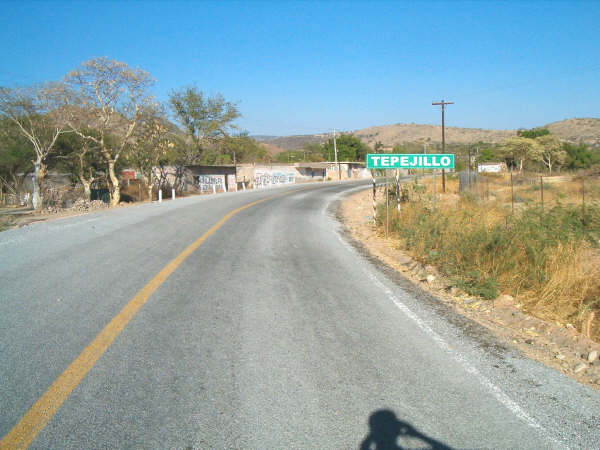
[{"x": 224, "y": 178}]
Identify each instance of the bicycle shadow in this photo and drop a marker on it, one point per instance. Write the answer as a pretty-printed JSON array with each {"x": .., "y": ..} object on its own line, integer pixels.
[{"x": 388, "y": 433}]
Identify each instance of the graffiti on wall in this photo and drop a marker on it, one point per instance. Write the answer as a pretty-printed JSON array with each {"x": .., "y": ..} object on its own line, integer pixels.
[
  {"x": 206, "y": 183},
  {"x": 263, "y": 178}
]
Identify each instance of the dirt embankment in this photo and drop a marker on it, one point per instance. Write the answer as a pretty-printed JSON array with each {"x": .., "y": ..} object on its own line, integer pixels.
[{"x": 562, "y": 348}]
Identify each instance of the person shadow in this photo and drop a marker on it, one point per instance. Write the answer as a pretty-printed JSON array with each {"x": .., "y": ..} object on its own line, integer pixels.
[{"x": 388, "y": 433}]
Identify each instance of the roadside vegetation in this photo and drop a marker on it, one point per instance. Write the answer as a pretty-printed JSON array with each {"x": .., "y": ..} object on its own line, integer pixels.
[
  {"x": 349, "y": 148},
  {"x": 101, "y": 118},
  {"x": 548, "y": 259}
]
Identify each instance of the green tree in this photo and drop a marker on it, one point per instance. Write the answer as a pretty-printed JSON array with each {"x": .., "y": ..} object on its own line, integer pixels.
[
  {"x": 349, "y": 148},
  {"x": 579, "y": 156},
  {"x": 550, "y": 151},
  {"x": 247, "y": 150},
  {"x": 533, "y": 133},
  {"x": 520, "y": 149},
  {"x": 81, "y": 157},
  {"x": 487, "y": 155},
  {"x": 16, "y": 155},
  {"x": 312, "y": 152},
  {"x": 154, "y": 146},
  {"x": 205, "y": 120}
]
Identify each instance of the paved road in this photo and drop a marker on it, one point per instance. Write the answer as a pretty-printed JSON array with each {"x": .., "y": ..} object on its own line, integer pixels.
[{"x": 275, "y": 333}]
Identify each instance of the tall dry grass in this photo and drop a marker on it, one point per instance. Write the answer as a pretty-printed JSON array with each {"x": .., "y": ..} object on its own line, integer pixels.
[{"x": 548, "y": 259}]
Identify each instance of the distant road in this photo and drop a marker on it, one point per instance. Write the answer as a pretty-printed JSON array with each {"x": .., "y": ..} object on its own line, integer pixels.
[{"x": 272, "y": 331}]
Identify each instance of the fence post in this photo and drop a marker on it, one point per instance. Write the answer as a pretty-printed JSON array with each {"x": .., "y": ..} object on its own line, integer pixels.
[
  {"x": 140, "y": 192},
  {"x": 387, "y": 201},
  {"x": 214, "y": 189},
  {"x": 172, "y": 194},
  {"x": 398, "y": 190},
  {"x": 542, "y": 190},
  {"x": 582, "y": 199},
  {"x": 374, "y": 196},
  {"x": 512, "y": 193},
  {"x": 160, "y": 195},
  {"x": 434, "y": 193}
]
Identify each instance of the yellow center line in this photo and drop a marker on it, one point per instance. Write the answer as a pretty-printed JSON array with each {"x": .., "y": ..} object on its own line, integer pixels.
[{"x": 34, "y": 421}]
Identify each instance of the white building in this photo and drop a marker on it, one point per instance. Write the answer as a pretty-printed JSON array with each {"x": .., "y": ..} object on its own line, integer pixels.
[{"x": 495, "y": 167}]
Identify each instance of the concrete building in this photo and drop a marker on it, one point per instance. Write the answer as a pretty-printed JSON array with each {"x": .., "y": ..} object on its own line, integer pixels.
[
  {"x": 223, "y": 178},
  {"x": 492, "y": 167}
]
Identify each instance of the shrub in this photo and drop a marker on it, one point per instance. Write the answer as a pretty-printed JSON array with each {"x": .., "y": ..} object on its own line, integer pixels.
[{"x": 535, "y": 254}]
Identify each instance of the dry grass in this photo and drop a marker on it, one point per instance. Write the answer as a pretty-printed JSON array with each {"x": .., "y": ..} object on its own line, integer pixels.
[{"x": 549, "y": 260}]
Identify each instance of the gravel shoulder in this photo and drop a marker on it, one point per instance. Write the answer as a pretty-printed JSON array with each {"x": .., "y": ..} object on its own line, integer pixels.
[{"x": 563, "y": 349}]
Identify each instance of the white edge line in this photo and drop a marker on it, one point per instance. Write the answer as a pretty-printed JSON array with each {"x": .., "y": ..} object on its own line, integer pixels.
[{"x": 500, "y": 395}]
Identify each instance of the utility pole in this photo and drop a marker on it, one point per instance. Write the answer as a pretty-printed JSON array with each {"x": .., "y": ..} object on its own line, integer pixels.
[
  {"x": 336, "y": 158},
  {"x": 443, "y": 105}
]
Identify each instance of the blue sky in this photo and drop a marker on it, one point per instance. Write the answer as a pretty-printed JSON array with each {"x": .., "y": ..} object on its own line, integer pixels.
[{"x": 307, "y": 67}]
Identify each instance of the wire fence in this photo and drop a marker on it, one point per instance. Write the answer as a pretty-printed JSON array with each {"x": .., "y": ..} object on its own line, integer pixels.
[
  {"x": 507, "y": 193},
  {"x": 521, "y": 190}
]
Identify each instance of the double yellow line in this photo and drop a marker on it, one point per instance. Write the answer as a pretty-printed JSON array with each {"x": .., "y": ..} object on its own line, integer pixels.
[{"x": 34, "y": 421}]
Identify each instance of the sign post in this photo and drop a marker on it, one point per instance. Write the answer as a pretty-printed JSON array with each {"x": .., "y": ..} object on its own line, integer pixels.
[{"x": 385, "y": 161}]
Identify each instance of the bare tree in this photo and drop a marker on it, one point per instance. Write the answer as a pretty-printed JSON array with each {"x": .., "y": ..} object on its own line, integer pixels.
[
  {"x": 112, "y": 96},
  {"x": 35, "y": 110}
]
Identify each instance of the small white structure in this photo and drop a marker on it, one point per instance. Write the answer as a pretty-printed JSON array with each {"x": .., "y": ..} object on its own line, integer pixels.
[{"x": 495, "y": 167}]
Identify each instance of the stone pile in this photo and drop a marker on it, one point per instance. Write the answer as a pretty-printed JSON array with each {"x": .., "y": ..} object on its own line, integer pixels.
[{"x": 85, "y": 206}]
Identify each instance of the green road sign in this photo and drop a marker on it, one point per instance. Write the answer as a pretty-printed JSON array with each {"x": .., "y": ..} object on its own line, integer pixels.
[{"x": 410, "y": 161}]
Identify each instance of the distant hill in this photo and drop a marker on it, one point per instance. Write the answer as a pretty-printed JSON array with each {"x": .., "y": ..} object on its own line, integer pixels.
[
  {"x": 391, "y": 135},
  {"x": 585, "y": 130},
  {"x": 285, "y": 143},
  {"x": 263, "y": 137}
]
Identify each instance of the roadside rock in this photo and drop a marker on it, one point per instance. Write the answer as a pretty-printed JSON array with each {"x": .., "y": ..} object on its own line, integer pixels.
[
  {"x": 580, "y": 368},
  {"x": 504, "y": 301},
  {"x": 82, "y": 205},
  {"x": 430, "y": 279},
  {"x": 405, "y": 260},
  {"x": 431, "y": 269},
  {"x": 592, "y": 356}
]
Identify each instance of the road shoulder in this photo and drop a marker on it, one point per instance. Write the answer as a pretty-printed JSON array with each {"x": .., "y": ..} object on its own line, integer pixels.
[{"x": 563, "y": 349}]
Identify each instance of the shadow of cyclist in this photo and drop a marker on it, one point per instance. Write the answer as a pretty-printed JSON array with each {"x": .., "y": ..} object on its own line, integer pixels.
[{"x": 386, "y": 430}]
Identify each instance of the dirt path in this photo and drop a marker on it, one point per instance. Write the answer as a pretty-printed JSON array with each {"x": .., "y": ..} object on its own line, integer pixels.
[{"x": 564, "y": 349}]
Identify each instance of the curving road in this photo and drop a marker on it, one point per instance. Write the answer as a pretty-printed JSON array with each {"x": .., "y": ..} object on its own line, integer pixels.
[{"x": 275, "y": 332}]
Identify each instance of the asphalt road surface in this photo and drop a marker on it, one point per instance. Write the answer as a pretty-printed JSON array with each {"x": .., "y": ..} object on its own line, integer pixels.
[{"x": 275, "y": 332}]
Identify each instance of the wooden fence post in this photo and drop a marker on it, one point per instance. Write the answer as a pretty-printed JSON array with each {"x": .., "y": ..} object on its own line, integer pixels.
[
  {"x": 398, "y": 190},
  {"x": 542, "y": 191},
  {"x": 374, "y": 196},
  {"x": 387, "y": 202},
  {"x": 512, "y": 193}
]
